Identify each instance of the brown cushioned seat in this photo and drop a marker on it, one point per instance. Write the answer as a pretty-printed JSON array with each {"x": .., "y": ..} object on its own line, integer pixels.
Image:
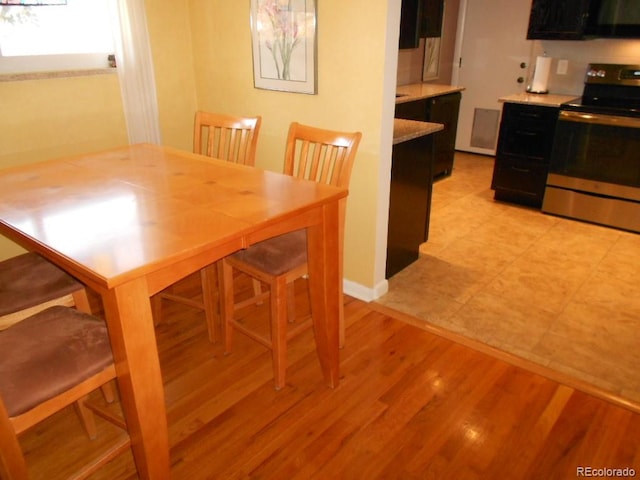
[
  {"x": 277, "y": 255},
  {"x": 28, "y": 280},
  {"x": 49, "y": 353}
]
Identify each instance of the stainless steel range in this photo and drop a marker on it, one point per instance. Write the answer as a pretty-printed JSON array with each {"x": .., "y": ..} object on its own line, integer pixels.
[{"x": 594, "y": 174}]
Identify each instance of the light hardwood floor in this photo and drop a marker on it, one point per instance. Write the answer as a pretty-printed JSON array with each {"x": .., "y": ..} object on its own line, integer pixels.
[{"x": 410, "y": 405}]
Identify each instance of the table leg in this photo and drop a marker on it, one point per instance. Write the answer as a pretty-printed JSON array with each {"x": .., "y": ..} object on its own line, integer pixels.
[
  {"x": 133, "y": 340},
  {"x": 325, "y": 287}
]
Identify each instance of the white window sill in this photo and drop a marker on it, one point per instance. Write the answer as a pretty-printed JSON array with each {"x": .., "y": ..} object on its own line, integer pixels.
[{"x": 17, "y": 77}]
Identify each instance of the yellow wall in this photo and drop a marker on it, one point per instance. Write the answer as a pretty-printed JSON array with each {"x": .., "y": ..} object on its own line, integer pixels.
[
  {"x": 172, "y": 52},
  {"x": 48, "y": 118},
  {"x": 351, "y": 65},
  {"x": 202, "y": 56}
]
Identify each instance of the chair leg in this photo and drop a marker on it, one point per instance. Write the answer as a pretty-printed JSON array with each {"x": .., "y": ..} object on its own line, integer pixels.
[
  {"x": 11, "y": 458},
  {"x": 208, "y": 281},
  {"x": 257, "y": 290},
  {"x": 291, "y": 302},
  {"x": 279, "y": 330},
  {"x": 107, "y": 392},
  {"x": 225, "y": 288},
  {"x": 86, "y": 415},
  {"x": 156, "y": 309},
  {"x": 81, "y": 300}
]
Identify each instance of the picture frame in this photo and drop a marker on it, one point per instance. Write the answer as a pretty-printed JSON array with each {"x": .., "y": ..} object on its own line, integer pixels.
[
  {"x": 284, "y": 44},
  {"x": 431, "y": 65}
]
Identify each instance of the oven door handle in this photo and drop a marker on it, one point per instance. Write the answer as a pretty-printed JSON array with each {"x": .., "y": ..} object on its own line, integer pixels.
[{"x": 599, "y": 119}]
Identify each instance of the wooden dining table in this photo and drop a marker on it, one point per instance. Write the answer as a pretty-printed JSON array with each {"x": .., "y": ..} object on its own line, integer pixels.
[{"x": 130, "y": 221}]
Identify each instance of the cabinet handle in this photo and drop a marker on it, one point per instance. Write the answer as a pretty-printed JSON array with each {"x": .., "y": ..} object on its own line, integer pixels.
[
  {"x": 525, "y": 133},
  {"x": 529, "y": 114},
  {"x": 522, "y": 170}
]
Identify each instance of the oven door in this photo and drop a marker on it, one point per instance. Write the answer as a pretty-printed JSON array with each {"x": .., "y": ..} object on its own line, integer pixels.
[
  {"x": 605, "y": 148},
  {"x": 594, "y": 173}
]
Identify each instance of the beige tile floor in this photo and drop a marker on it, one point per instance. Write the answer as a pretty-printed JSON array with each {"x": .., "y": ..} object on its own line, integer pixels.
[{"x": 561, "y": 293}]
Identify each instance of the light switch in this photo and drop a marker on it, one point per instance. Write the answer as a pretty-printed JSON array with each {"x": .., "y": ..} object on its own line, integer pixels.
[{"x": 563, "y": 67}]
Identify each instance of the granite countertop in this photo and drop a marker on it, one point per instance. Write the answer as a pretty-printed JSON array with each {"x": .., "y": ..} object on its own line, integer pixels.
[
  {"x": 418, "y": 91},
  {"x": 545, "y": 99},
  {"x": 404, "y": 130}
]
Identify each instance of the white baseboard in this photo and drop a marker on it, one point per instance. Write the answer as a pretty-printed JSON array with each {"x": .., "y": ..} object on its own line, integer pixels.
[{"x": 363, "y": 293}]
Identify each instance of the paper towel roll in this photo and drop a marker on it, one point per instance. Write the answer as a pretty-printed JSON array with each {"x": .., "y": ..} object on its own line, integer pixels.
[{"x": 541, "y": 75}]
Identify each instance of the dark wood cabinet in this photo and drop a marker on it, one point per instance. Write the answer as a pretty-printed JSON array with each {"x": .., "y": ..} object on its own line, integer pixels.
[
  {"x": 560, "y": 19},
  {"x": 442, "y": 109},
  {"x": 409, "y": 201},
  {"x": 523, "y": 153},
  {"x": 410, "y": 17},
  {"x": 431, "y": 18},
  {"x": 419, "y": 19}
]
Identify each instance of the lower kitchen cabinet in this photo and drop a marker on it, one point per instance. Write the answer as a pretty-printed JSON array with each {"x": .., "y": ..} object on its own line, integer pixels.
[
  {"x": 409, "y": 201},
  {"x": 442, "y": 109},
  {"x": 524, "y": 149}
]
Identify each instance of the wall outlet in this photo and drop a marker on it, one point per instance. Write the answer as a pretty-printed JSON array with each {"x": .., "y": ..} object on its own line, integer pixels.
[{"x": 563, "y": 67}]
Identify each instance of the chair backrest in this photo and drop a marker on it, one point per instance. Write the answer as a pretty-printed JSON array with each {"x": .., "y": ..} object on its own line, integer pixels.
[
  {"x": 226, "y": 137},
  {"x": 325, "y": 156}
]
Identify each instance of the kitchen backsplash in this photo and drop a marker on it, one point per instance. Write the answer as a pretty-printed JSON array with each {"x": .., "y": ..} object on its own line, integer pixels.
[{"x": 579, "y": 55}]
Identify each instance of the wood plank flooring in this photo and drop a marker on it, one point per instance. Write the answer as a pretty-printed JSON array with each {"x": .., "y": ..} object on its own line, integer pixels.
[{"x": 410, "y": 405}]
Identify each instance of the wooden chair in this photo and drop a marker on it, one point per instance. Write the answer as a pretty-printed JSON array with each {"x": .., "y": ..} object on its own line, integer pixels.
[
  {"x": 228, "y": 138},
  {"x": 29, "y": 284},
  {"x": 315, "y": 154},
  {"x": 49, "y": 361}
]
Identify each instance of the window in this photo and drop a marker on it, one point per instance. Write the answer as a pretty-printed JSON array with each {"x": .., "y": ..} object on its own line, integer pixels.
[{"x": 75, "y": 35}]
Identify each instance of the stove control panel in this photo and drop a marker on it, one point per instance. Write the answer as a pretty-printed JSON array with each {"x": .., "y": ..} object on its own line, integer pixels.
[
  {"x": 613, "y": 74},
  {"x": 596, "y": 73}
]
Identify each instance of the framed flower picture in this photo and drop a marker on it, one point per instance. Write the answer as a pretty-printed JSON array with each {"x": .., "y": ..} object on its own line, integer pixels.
[{"x": 284, "y": 45}]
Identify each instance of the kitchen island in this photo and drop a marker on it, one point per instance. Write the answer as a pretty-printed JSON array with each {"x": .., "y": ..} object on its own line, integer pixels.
[{"x": 410, "y": 191}]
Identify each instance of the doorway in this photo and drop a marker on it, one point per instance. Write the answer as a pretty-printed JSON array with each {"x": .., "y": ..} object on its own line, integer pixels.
[{"x": 491, "y": 60}]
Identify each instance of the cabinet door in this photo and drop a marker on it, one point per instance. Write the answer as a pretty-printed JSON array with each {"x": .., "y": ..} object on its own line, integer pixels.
[
  {"x": 559, "y": 19},
  {"x": 526, "y": 131},
  {"x": 444, "y": 109},
  {"x": 431, "y": 18},
  {"x": 414, "y": 110},
  {"x": 519, "y": 181},
  {"x": 410, "y": 24}
]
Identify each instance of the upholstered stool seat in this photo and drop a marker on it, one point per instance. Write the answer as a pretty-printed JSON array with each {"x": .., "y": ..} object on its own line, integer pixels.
[
  {"x": 277, "y": 255},
  {"x": 49, "y": 361},
  {"x": 28, "y": 283},
  {"x": 49, "y": 353}
]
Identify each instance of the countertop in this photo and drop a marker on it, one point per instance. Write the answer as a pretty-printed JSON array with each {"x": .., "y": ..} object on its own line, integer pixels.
[
  {"x": 418, "y": 91},
  {"x": 404, "y": 130},
  {"x": 545, "y": 99}
]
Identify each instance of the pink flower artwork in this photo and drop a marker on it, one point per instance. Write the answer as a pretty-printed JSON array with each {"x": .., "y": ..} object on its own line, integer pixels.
[{"x": 281, "y": 31}]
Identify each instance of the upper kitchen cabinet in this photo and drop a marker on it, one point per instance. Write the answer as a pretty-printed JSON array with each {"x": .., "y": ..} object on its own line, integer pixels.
[
  {"x": 419, "y": 18},
  {"x": 431, "y": 18},
  {"x": 560, "y": 20},
  {"x": 410, "y": 23}
]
